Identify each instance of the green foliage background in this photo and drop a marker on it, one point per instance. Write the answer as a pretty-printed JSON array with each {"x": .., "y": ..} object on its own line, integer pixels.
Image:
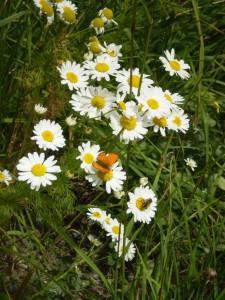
[{"x": 45, "y": 252}]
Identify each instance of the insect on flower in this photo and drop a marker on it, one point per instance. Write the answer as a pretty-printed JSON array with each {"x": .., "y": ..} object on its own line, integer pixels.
[{"x": 105, "y": 162}]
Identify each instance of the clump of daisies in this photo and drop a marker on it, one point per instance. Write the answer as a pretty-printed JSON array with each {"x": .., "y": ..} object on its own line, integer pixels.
[{"x": 115, "y": 230}]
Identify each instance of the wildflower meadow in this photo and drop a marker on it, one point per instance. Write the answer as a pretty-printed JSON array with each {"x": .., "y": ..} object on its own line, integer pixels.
[{"x": 112, "y": 150}]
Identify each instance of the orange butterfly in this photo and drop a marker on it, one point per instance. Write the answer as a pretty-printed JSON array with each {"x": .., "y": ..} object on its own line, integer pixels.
[{"x": 105, "y": 161}]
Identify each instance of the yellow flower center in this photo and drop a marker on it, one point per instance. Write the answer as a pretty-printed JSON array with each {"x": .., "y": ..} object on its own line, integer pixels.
[
  {"x": 168, "y": 97},
  {"x": 38, "y": 170},
  {"x": 2, "y": 176},
  {"x": 153, "y": 103},
  {"x": 112, "y": 53},
  {"x": 134, "y": 81},
  {"x": 122, "y": 105},
  {"x": 175, "y": 65},
  {"x": 88, "y": 158},
  {"x": 46, "y": 8},
  {"x": 97, "y": 214},
  {"x": 142, "y": 204},
  {"x": 95, "y": 47},
  {"x": 177, "y": 121},
  {"x": 47, "y": 135},
  {"x": 73, "y": 78},
  {"x": 128, "y": 123},
  {"x": 102, "y": 67},
  {"x": 69, "y": 14},
  {"x": 98, "y": 23},
  {"x": 160, "y": 121},
  {"x": 98, "y": 102},
  {"x": 116, "y": 229},
  {"x": 106, "y": 176},
  {"x": 108, "y": 13}
]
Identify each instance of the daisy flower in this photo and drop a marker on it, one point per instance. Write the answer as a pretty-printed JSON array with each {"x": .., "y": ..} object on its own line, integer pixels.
[
  {"x": 48, "y": 135},
  {"x": 153, "y": 102},
  {"x": 98, "y": 25},
  {"x": 37, "y": 171},
  {"x": 119, "y": 194},
  {"x": 96, "y": 214},
  {"x": 115, "y": 229},
  {"x": 102, "y": 67},
  {"x": 113, "y": 179},
  {"x": 113, "y": 50},
  {"x": 5, "y": 177},
  {"x": 129, "y": 251},
  {"x": 94, "y": 46},
  {"x": 73, "y": 75},
  {"x": 93, "y": 101},
  {"x": 40, "y": 109},
  {"x": 125, "y": 81},
  {"x": 159, "y": 124},
  {"x": 71, "y": 121},
  {"x": 45, "y": 8},
  {"x": 174, "y": 66},
  {"x": 142, "y": 204},
  {"x": 67, "y": 11},
  {"x": 130, "y": 125},
  {"x": 191, "y": 163},
  {"x": 107, "y": 16},
  {"x": 178, "y": 121},
  {"x": 174, "y": 99},
  {"x": 88, "y": 154}
]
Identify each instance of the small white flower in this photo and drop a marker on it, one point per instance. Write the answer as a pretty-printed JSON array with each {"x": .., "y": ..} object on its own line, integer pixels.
[
  {"x": 119, "y": 194},
  {"x": 71, "y": 121},
  {"x": 107, "y": 222},
  {"x": 107, "y": 16},
  {"x": 135, "y": 82},
  {"x": 115, "y": 230},
  {"x": 113, "y": 179},
  {"x": 142, "y": 204},
  {"x": 191, "y": 163},
  {"x": 93, "y": 240},
  {"x": 98, "y": 25},
  {"x": 37, "y": 171},
  {"x": 153, "y": 102},
  {"x": 130, "y": 125},
  {"x": 178, "y": 121},
  {"x": 67, "y": 11},
  {"x": 129, "y": 251},
  {"x": 174, "y": 99},
  {"x": 175, "y": 66},
  {"x": 88, "y": 154},
  {"x": 48, "y": 135},
  {"x": 143, "y": 181},
  {"x": 5, "y": 177},
  {"x": 102, "y": 67},
  {"x": 96, "y": 214},
  {"x": 113, "y": 50},
  {"x": 88, "y": 56},
  {"x": 40, "y": 109},
  {"x": 73, "y": 75},
  {"x": 93, "y": 101}
]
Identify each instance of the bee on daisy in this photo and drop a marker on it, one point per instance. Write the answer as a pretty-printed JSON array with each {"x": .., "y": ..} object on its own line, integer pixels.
[
  {"x": 45, "y": 8},
  {"x": 102, "y": 67},
  {"x": 37, "y": 170},
  {"x": 67, "y": 11},
  {"x": 93, "y": 102},
  {"x": 5, "y": 177},
  {"x": 88, "y": 154},
  {"x": 132, "y": 82},
  {"x": 73, "y": 75},
  {"x": 48, "y": 135},
  {"x": 173, "y": 65},
  {"x": 108, "y": 172},
  {"x": 107, "y": 16},
  {"x": 128, "y": 250},
  {"x": 142, "y": 204}
]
